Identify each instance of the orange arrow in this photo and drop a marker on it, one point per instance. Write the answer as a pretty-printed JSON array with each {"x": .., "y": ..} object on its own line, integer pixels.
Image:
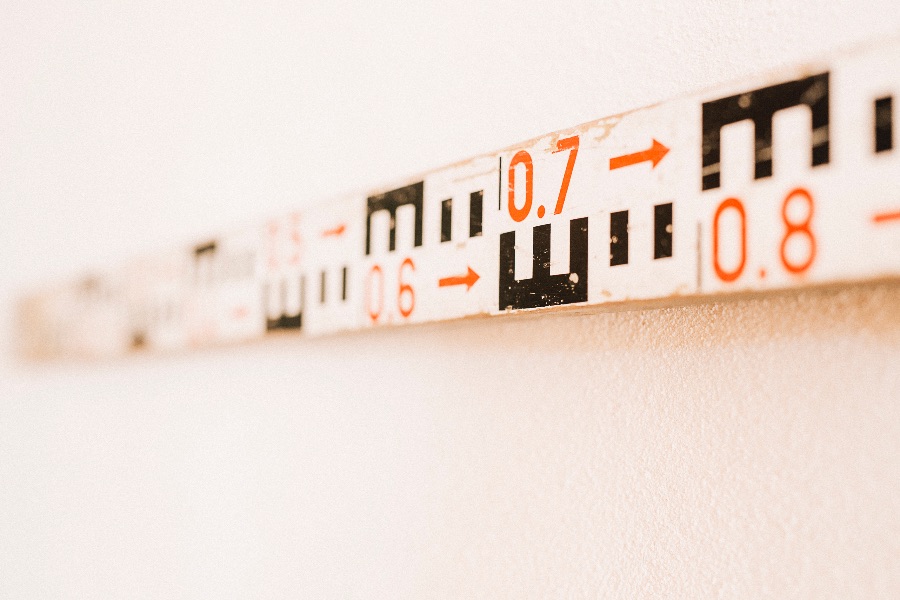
[
  {"x": 468, "y": 279},
  {"x": 655, "y": 153},
  {"x": 339, "y": 230}
]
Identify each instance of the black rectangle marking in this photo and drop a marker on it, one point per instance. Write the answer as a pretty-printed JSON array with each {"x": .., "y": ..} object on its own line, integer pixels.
[
  {"x": 760, "y": 106},
  {"x": 662, "y": 230},
  {"x": 324, "y": 288},
  {"x": 446, "y": 220},
  {"x": 207, "y": 248},
  {"x": 476, "y": 208},
  {"x": 884, "y": 124},
  {"x": 343, "y": 284},
  {"x": 618, "y": 238},
  {"x": 544, "y": 289},
  {"x": 283, "y": 320},
  {"x": 390, "y": 201},
  {"x": 500, "y": 183}
]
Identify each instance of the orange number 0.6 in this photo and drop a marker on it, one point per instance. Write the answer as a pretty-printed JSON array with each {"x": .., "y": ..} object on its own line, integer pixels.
[
  {"x": 405, "y": 290},
  {"x": 406, "y": 295},
  {"x": 522, "y": 157},
  {"x": 373, "y": 312}
]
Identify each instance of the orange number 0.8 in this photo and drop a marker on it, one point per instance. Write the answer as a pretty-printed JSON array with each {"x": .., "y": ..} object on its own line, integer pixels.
[
  {"x": 734, "y": 204},
  {"x": 792, "y": 228},
  {"x": 801, "y": 228}
]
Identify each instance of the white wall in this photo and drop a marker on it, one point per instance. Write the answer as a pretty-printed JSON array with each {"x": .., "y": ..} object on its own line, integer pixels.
[{"x": 741, "y": 450}]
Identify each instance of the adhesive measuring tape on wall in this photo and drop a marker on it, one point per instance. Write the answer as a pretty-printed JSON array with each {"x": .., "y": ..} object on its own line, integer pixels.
[{"x": 780, "y": 181}]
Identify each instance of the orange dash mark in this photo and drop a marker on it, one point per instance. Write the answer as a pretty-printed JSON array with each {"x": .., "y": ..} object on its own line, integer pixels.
[
  {"x": 885, "y": 217},
  {"x": 337, "y": 231}
]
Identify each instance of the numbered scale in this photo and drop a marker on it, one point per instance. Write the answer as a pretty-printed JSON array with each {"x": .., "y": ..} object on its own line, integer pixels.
[{"x": 780, "y": 181}]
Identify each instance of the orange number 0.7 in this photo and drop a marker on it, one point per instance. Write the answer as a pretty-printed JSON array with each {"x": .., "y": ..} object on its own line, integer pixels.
[{"x": 522, "y": 157}]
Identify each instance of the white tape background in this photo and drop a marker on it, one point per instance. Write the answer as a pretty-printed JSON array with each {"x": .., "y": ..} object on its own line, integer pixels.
[{"x": 746, "y": 449}]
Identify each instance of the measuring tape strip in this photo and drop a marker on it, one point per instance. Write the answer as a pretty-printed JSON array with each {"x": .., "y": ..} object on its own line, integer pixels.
[{"x": 777, "y": 182}]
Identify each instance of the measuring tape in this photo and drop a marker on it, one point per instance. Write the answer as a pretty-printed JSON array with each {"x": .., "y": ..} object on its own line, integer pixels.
[{"x": 781, "y": 181}]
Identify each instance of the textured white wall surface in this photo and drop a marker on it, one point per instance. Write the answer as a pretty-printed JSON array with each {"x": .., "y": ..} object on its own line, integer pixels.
[{"x": 747, "y": 449}]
